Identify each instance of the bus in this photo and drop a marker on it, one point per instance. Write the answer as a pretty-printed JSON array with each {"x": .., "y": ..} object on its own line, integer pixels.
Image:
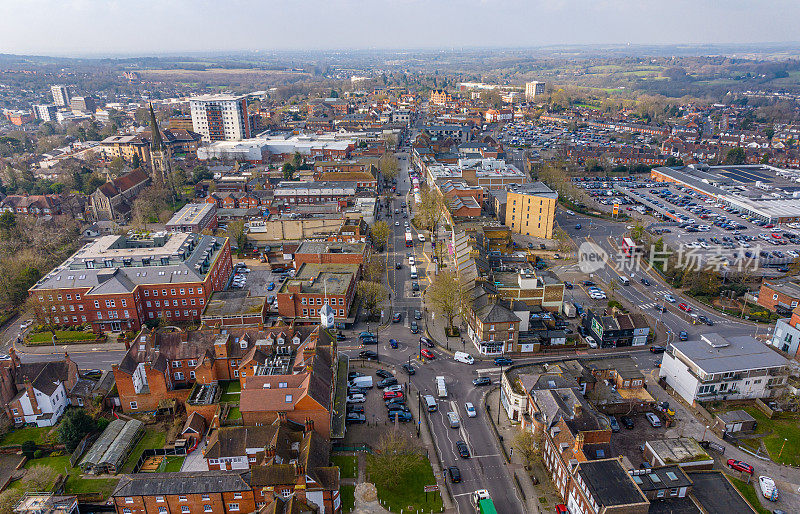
[
  {"x": 409, "y": 240},
  {"x": 629, "y": 247}
]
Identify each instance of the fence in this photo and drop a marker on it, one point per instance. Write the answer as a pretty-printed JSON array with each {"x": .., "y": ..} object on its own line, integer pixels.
[
  {"x": 85, "y": 442},
  {"x": 158, "y": 452},
  {"x": 349, "y": 449}
]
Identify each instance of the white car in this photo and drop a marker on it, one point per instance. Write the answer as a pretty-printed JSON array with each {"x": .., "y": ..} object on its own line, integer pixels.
[
  {"x": 670, "y": 298},
  {"x": 471, "y": 412},
  {"x": 356, "y": 398},
  {"x": 393, "y": 388},
  {"x": 27, "y": 323},
  {"x": 396, "y": 223},
  {"x": 411, "y": 261}
]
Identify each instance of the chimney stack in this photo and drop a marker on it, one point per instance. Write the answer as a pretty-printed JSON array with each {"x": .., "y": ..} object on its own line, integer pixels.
[
  {"x": 579, "y": 440},
  {"x": 577, "y": 409},
  {"x": 32, "y": 396}
]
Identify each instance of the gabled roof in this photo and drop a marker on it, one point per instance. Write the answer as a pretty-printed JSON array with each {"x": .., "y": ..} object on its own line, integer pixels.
[{"x": 196, "y": 482}]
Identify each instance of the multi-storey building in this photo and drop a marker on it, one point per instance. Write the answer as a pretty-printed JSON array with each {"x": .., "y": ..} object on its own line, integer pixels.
[
  {"x": 119, "y": 282},
  {"x": 60, "y": 96},
  {"x": 440, "y": 97},
  {"x": 314, "y": 192},
  {"x": 786, "y": 337},
  {"x": 717, "y": 368},
  {"x": 781, "y": 295},
  {"x": 532, "y": 89},
  {"x": 45, "y": 112},
  {"x": 194, "y": 217},
  {"x": 83, "y": 104},
  {"x": 530, "y": 209},
  {"x": 176, "y": 141},
  {"x": 316, "y": 285},
  {"x": 329, "y": 253},
  {"x": 220, "y": 117}
]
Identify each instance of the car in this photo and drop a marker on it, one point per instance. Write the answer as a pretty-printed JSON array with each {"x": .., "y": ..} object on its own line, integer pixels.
[
  {"x": 685, "y": 307},
  {"x": 427, "y": 353},
  {"x": 578, "y": 226},
  {"x": 644, "y": 281},
  {"x": 481, "y": 381},
  {"x": 395, "y": 387},
  {"x": 612, "y": 422},
  {"x": 271, "y": 286},
  {"x": 397, "y": 317},
  {"x": 653, "y": 418},
  {"x": 455, "y": 474},
  {"x": 340, "y": 336},
  {"x": 670, "y": 298},
  {"x": 395, "y": 403},
  {"x": 398, "y": 265},
  {"x": 387, "y": 382},
  {"x": 452, "y": 418},
  {"x": 393, "y": 343},
  {"x": 568, "y": 284},
  {"x": 588, "y": 283},
  {"x": 368, "y": 355},
  {"x": 683, "y": 335},
  {"x": 396, "y": 223},
  {"x": 354, "y": 374},
  {"x": 739, "y": 465},
  {"x": 93, "y": 373},
  {"x": 657, "y": 349},
  {"x": 369, "y": 340},
  {"x": 383, "y": 373},
  {"x": 470, "y": 408},
  {"x": 414, "y": 327},
  {"x": 627, "y": 422},
  {"x": 463, "y": 449},
  {"x": 417, "y": 315},
  {"x": 362, "y": 335},
  {"x": 356, "y": 390},
  {"x": 426, "y": 342},
  {"x": 355, "y": 417},
  {"x": 399, "y": 415},
  {"x": 356, "y": 407},
  {"x": 392, "y": 394},
  {"x": 415, "y": 286},
  {"x": 356, "y": 398},
  {"x": 660, "y": 307},
  {"x": 25, "y": 324},
  {"x": 409, "y": 369},
  {"x": 503, "y": 361},
  {"x": 707, "y": 321}
]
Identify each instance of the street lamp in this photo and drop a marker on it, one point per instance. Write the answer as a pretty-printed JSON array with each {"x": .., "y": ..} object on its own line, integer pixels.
[{"x": 781, "y": 452}]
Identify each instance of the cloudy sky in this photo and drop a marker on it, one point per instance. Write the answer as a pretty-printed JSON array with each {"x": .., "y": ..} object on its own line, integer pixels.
[{"x": 169, "y": 26}]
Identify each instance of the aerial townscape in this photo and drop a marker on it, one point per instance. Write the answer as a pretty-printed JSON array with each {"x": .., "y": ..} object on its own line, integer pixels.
[{"x": 334, "y": 258}]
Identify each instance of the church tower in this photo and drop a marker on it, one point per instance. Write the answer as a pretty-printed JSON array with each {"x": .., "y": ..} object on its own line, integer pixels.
[{"x": 160, "y": 168}]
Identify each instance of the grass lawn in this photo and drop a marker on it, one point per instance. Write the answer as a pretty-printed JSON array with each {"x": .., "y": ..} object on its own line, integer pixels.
[
  {"x": 150, "y": 439},
  {"x": 234, "y": 413},
  {"x": 347, "y": 493},
  {"x": 174, "y": 464},
  {"x": 36, "y": 434},
  {"x": 780, "y": 428},
  {"x": 231, "y": 386},
  {"x": 230, "y": 398},
  {"x": 750, "y": 494},
  {"x": 62, "y": 335},
  {"x": 348, "y": 465},
  {"x": 104, "y": 486},
  {"x": 408, "y": 491}
]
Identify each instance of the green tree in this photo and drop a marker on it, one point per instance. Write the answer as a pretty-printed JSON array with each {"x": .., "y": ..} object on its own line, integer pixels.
[
  {"x": 735, "y": 156},
  {"x": 116, "y": 165},
  {"x": 288, "y": 171},
  {"x": 380, "y": 235},
  {"x": 237, "y": 233},
  {"x": 297, "y": 160},
  {"x": 74, "y": 426},
  {"x": 8, "y": 223},
  {"x": 446, "y": 294},
  {"x": 135, "y": 161},
  {"x": 28, "y": 449}
]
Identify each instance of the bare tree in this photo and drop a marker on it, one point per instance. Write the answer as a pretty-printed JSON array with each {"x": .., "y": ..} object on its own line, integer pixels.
[
  {"x": 372, "y": 295},
  {"x": 380, "y": 235},
  {"x": 446, "y": 293},
  {"x": 529, "y": 445}
]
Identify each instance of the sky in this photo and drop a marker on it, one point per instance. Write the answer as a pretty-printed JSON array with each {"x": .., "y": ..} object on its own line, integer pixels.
[{"x": 148, "y": 27}]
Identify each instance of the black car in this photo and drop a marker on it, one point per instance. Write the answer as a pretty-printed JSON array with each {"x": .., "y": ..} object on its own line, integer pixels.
[
  {"x": 396, "y": 407},
  {"x": 503, "y": 361},
  {"x": 645, "y": 281},
  {"x": 386, "y": 382},
  {"x": 704, "y": 319},
  {"x": 415, "y": 286},
  {"x": 340, "y": 337},
  {"x": 588, "y": 283},
  {"x": 426, "y": 342},
  {"x": 355, "y": 407},
  {"x": 353, "y": 374},
  {"x": 463, "y": 449},
  {"x": 398, "y": 266},
  {"x": 660, "y": 307},
  {"x": 383, "y": 373},
  {"x": 355, "y": 417},
  {"x": 455, "y": 474},
  {"x": 409, "y": 369},
  {"x": 481, "y": 381},
  {"x": 397, "y": 400},
  {"x": 627, "y": 422},
  {"x": 417, "y": 315},
  {"x": 368, "y": 355},
  {"x": 657, "y": 349},
  {"x": 568, "y": 285},
  {"x": 414, "y": 327}
]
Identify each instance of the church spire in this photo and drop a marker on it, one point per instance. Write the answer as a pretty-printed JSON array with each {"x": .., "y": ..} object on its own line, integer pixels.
[{"x": 158, "y": 143}]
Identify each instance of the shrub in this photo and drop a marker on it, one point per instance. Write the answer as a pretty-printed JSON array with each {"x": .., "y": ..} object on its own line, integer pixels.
[{"x": 29, "y": 449}]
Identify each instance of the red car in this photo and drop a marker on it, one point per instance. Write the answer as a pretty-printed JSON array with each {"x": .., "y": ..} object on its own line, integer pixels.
[
  {"x": 740, "y": 466},
  {"x": 684, "y": 307},
  {"x": 392, "y": 394},
  {"x": 427, "y": 353}
]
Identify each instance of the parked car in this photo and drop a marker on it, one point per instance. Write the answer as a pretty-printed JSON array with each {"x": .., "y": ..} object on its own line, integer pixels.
[
  {"x": 657, "y": 349},
  {"x": 383, "y": 373},
  {"x": 368, "y": 355},
  {"x": 93, "y": 373},
  {"x": 397, "y": 317},
  {"x": 355, "y": 417},
  {"x": 612, "y": 422},
  {"x": 455, "y": 474},
  {"x": 356, "y": 398},
  {"x": 417, "y": 315},
  {"x": 481, "y": 381},
  {"x": 653, "y": 419},
  {"x": 403, "y": 416},
  {"x": 409, "y": 369},
  {"x": 739, "y": 465},
  {"x": 271, "y": 286},
  {"x": 392, "y": 394},
  {"x": 627, "y": 422},
  {"x": 463, "y": 449},
  {"x": 387, "y": 382},
  {"x": 355, "y": 407}
]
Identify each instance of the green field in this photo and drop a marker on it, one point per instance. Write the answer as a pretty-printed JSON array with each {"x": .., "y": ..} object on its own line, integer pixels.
[
  {"x": 64, "y": 336},
  {"x": 150, "y": 439},
  {"x": 174, "y": 464},
  {"x": 778, "y": 430},
  {"x": 347, "y": 493},
  {"x": 348, "y": 465}
]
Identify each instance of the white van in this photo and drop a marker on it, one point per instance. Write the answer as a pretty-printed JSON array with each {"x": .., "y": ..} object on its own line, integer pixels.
[
  {"x": 624, "y": 281},
  {"x": 430, "y": 401},
  {"x": 591, "y": 342},
  {"x": 414, "y": 273},
  {"x": 463, "y": 357},
  {"x": 362, "y": 382},
  {"x": 421, "y": 238}
]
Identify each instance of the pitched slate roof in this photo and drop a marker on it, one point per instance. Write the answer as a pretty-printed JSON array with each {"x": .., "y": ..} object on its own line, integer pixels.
[{"x": 196, "y": 482}]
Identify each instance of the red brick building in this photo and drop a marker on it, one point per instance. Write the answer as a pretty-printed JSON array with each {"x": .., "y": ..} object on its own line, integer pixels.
[
  {"x": 315, "y": 285},
  {"x": 781, "y": 295},
  {"x": 118, "y": 283},
  {"x": 310, "y": 252}
]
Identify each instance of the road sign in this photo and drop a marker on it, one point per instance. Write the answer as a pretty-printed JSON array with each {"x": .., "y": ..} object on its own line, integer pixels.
[{"x": 431, "y": 488}]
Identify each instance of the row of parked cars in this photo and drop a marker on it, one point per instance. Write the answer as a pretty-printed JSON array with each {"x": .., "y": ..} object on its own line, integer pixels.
[{"x": 394, "y": 396}]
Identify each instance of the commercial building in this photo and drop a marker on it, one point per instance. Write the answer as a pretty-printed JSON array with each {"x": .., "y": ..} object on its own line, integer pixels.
[
  {"x": 220, "y": 117},
  {"x": 786, "y": 337},
  {"x": 440, "y": 97},
  {"x": 83, "y": 104},
  {"x": 532, "y": 89},
  {"x": 45, "y": 112},
  {"x": 456, "y": 132},
  {"x": 719, "y": 368},
  {"x": 315, "y": 285},
  {"x": 780, "y": 295},
  {"x": 279, "y": 148},
  {"x": 530, "y": 209},
  {"x": 119, "y": 282},
  {"x": 298, "y": 193},
  {"x": 488, "y": 173},
  {"x": 60, "y": 96},
  {"x": 194, "y": 217},
  {"x": 312, "y": 252},
  {"x": 235, "y": 309}
]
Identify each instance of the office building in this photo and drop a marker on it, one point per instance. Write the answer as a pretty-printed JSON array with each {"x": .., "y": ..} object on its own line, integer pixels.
[
  {"x": 83, "y": 104},
  {"x": 220, "y": 117},
  {"x": 45, "y": 112},
  {"x": 60, "y": 96},
  {"x": 532, "y": 89},
  {"x": 530, "y": 209}
]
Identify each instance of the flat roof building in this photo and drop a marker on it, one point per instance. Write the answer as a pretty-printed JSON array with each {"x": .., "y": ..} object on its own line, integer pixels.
[{"x": 194, "y": 217}]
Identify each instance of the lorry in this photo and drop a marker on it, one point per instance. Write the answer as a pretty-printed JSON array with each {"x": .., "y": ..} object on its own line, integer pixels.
[
  {"x": 482, "y": 502},
  {"x": 441, "y": 387},
  {"x": 569, "y": 310}
]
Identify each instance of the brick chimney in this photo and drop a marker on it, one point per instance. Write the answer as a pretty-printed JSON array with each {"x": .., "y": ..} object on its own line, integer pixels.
[
  {"x": 32, "y": 396},
  {"x": 579, "y": 440},
  {"x": 15, "y": 362},
  {"x": 269, "y": 453},
  {"x": 309, "y": 426},
  {"x": 577, "y": 409}
]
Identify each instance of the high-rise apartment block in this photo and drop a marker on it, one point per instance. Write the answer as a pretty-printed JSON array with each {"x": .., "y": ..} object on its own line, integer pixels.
[
  {"x": 60, "y": 95},
  {"x": 45, "y": 112},
  {"x": 532, "y": 89},
  {"x": 220, "y": 117}
]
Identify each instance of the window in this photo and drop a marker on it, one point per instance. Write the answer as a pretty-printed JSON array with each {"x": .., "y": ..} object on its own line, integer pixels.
[
  {"x": 124, "y": 302},
  {"x": 191, "y": 374},
  {"x": 176, "y": 364},
  {"x": 185, "y": 509},
  {"x": 774, "y": 297},
  {"x": 178, "y": 376},
  {"x": 162, "y": 510},
  {"x": 159, "y": 499},
  {"x": 288, "y": 398},
  {"x": 77, "y": 296},
  {"x": 233, "y": 506},
  {"x": 96, "y": 304},
  {"x": 206, "y": 497},
  {"x": 206, "y": 508},
  {"x": 237, "y": 496},
  {"x": 128, "y": 499},
  {"x": 303, "y": 301},
  {"x": 134, "y": 406},
  {"x": 182, "y": 498}
]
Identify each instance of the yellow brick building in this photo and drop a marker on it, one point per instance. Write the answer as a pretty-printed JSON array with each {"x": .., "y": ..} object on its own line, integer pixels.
[{"x": 531, "y": 210}]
